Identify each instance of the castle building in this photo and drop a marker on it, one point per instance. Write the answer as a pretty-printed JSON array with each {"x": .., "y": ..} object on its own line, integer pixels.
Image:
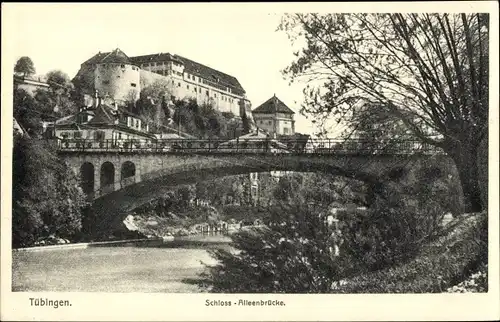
[
  {"x": 274, "y": 117},
  {"x": 122, "y": 78}
]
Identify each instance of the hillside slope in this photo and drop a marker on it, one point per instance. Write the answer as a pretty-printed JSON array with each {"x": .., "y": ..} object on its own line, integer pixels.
[{"x": 460, "y": 251}]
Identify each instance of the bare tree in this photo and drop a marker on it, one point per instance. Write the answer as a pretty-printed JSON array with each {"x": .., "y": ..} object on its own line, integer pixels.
[{"x": 428, "y": 70}]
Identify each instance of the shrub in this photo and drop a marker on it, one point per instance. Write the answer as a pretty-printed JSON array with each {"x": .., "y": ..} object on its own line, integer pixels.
[
  {"x": 449, "y": 259},
  {"x": 46, "y": 197},
  {"x": 290, "y": 255}
]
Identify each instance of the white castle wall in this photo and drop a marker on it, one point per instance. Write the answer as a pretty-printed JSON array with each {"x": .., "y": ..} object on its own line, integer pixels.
[{"x": 190, "y": 86}]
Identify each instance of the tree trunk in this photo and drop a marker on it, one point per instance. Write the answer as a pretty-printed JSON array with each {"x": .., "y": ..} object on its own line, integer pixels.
[{"x": 465, "y": 158}]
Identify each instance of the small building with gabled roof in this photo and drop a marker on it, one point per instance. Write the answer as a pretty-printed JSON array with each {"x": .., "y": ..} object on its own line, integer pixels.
[{"x": 275, "y": 117}]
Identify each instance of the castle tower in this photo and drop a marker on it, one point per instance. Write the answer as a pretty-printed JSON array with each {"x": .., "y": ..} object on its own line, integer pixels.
[{"x": 115, "y": 76}]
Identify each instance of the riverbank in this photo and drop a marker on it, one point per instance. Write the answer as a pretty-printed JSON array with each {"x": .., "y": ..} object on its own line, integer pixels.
[{"x": 192, "y": 241}]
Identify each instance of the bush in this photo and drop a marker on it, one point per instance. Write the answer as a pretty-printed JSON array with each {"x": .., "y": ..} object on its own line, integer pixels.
[
  {"x": 290, "y": 255},
  {"x": 459, "y": 251},
  {"x": 46, "y": 197}
]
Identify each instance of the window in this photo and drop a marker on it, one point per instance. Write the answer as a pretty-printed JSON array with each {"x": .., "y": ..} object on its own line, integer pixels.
[
  {"x": 133, "y": 84},
  {"x": 106, "y": 82},
  {"x": 285, "y": 130},
  {"x": 187, "y": 86},
  {"x": 137, "y": 123},
  {"x": 99, "y": 135},
  {"x": 215, "y": 95},
  {"x": 207, "y": 92},
  {"x": 178, "y": 84},
  {"x": 195, "y": 90},
  {"x": 77, "y": 134},
  {"x": 269, "y": 122}
]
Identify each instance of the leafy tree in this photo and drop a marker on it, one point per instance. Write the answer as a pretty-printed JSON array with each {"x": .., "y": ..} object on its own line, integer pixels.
[
  {"x": 25, "y": 111},
  {"x": 47, "y": 202},
  {"x": 25, "y": 66},
  {"x": 290, "y": 255},
  {"x": 62, "y": 99},
  {"x": 430, "y": 71},
  {"x": 406, "y": 213},
  {"x": 186, "y": 194},
  {"x": 59, "y": 81},
  {"x": 287, "y": 189}
]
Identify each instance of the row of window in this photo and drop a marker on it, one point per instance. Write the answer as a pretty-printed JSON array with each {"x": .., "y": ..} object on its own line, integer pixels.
[
  {"x": 106, "y": 82},
  {"x": 195, "y": 89},
  {"x": 270, "y": 122},
  {"x": 190, "y": 77},
  {"x": 121, "y": 66}
]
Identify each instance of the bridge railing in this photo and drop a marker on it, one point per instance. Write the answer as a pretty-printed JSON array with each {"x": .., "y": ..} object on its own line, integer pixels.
[{"x": 250, "y": 146}]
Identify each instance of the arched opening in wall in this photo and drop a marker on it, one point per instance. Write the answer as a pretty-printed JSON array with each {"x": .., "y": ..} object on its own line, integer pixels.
[
  {"x": 128, "y": 170},
  {"x": 87, "y": 177},
  {"x": 107, "y": 176}
]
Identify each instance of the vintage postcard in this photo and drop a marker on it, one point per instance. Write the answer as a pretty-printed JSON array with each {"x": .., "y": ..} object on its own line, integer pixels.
[{"x": 250, "y": 161}]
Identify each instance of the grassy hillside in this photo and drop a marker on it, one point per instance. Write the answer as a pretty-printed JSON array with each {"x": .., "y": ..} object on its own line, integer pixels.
[{"x": 460, "y": 251}]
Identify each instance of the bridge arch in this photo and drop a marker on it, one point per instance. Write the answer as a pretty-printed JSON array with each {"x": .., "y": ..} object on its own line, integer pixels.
[
  {"x": 128, "y": 170},
  {"x": 107, "y": 176},
  {"x": 87, "y": 177}
]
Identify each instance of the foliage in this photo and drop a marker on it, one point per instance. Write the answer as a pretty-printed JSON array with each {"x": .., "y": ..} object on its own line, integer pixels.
[
  {"x": 429, "y": 71},
  {"x": 476, "y": 283},
  {"x": 47, "y": 202},
  {"x": 31, "y": 110},
  {"x": 59, "y": 81},
  {"x": 289, "y": 255},
  {"x": 26, "y": 112},
  {"x": 25, "y": 66},
  {"x": 406, "y": 212},
  {"x": 287, "y": 189},
  {"x": 204, "y": 121},
  {"x": 153, "y": 104},
  {"x": 446, "y": 261}
]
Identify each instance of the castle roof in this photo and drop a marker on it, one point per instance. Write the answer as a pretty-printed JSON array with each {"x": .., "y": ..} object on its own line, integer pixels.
[
  {"x": 115, "y": 56},
  {"x": 272, "y": 106}
]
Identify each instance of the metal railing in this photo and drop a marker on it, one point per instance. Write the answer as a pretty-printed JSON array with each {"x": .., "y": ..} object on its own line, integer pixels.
[{"x": 248, "y": 146}]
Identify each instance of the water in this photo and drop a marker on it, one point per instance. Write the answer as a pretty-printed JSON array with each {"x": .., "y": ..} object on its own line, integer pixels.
[{"x": 109, "y": 269}]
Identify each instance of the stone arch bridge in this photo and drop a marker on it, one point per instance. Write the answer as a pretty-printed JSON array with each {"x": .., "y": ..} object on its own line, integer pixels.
[{"x": 119, "y": 179}]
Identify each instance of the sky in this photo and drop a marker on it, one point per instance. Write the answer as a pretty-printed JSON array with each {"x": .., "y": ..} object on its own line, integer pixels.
[{"x": 230, "y": 38}]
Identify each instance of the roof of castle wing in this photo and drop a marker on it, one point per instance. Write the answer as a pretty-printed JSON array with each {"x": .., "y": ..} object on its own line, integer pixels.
[
  {"x": 273, "y": 105},
  {"x": 213, "y": 75}
]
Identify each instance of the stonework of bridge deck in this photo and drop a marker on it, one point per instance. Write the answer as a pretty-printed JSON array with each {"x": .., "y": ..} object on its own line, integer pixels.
[{"x": 119, "y": 178}]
